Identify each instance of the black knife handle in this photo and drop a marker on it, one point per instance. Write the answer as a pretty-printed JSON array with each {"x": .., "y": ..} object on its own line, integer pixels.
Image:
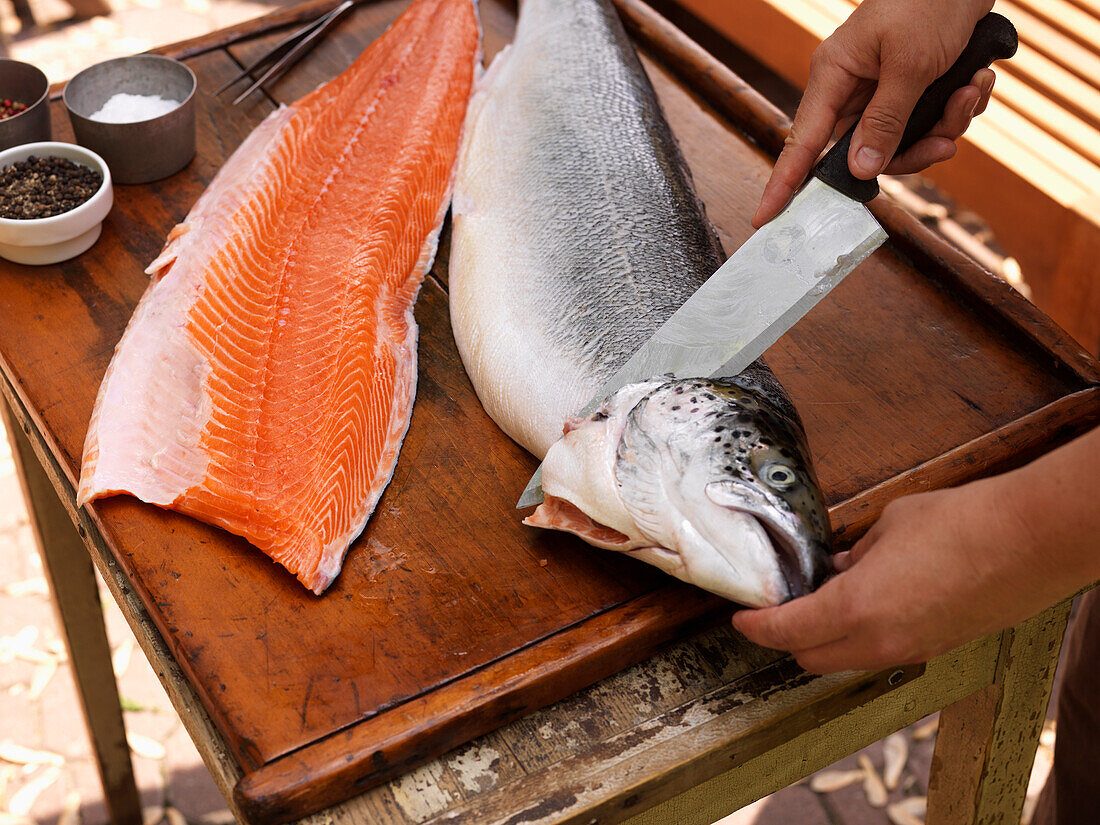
[{"x": 994, "y": 38}]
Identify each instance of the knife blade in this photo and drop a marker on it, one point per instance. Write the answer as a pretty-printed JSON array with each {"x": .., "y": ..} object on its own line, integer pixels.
[{"x": 787, "y": 266}]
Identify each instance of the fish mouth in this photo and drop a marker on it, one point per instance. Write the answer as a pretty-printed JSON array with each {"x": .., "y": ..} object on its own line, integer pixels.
[
  {"x": 798, "y": 581},
  {"x": 800, "y": 555}
]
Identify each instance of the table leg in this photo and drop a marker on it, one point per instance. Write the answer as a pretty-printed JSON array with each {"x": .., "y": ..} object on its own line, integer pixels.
[
  {"x": 25, "y": 14},
  {"x": 986, "y": 742},
  {"x": 72, "y": 581}
]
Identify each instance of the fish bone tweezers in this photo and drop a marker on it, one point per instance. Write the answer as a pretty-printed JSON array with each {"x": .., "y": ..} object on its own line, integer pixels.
[{"x": 286, "y": 52}]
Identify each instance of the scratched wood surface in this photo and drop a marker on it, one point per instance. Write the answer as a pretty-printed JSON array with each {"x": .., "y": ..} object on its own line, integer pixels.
[{"x": 918, "y": 371}]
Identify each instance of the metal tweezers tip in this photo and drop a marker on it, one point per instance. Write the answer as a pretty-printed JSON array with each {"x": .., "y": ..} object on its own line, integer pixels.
[{"x": 286, "y": 52}]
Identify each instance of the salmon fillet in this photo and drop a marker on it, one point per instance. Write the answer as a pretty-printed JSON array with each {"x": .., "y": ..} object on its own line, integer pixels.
[{"x": 266, "y": 380}]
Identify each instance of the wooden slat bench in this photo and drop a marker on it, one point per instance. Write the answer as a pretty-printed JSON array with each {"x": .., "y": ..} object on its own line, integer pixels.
[{"x": 1030, "y": 166}]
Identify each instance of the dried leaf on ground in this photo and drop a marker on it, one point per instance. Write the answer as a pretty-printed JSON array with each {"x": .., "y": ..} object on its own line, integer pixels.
[
  {"x": 144, "y": 746},
  {"x": 23, "y": 800},
  {"x": 19, "y": 755},
  {"x": 909, "y": 811},
  {"x": 926, "y": 730},
  {"x": 7, "y": 773},
  {"x": 21, "y": 646},
  {"x": 873, "y": 788},
  {"x": 35, "y": 586},
  {"x": 70, "y": 814},
  {"x": 36, "y": 656},
  {"x": 895, "y": 754},
  {"x": 120, "y": 659},
  {"x": 222, "y": 817},
  {"x": 829, "y": 781},
  {"x": 27, "y": 635},
  {"x": 58, "y": 649},
  {"x": 42, "y": 676}
]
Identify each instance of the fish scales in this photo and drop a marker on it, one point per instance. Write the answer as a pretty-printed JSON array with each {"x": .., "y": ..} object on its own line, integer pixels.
[
  {"x": 266, "y": 380},
  {"x": 571, "y": 181}
]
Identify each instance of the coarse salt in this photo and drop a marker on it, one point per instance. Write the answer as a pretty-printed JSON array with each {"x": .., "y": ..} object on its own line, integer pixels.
[{"x": 127, "y": 108}]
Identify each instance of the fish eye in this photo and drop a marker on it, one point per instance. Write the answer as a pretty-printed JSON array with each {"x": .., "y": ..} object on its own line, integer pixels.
[{"x": 778, "y": 476}]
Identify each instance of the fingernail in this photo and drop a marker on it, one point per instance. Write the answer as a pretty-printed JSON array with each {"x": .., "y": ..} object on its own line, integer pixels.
[
  {"x": 973, "y": 107},
  {"x": 868, "y": 160}
]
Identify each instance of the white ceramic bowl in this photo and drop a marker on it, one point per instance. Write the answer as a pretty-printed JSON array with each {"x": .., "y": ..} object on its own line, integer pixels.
[{"x": 64, "y": 236}]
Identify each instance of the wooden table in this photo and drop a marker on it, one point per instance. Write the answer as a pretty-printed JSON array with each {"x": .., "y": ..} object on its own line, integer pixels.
[{"x": 465, "y": 669}]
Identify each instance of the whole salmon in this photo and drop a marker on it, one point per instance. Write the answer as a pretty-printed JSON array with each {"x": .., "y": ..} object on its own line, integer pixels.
[{"x": 577, "y": 232}]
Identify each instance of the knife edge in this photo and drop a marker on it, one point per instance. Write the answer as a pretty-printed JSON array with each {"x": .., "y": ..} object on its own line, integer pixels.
[{"x": 832, "y": 215}]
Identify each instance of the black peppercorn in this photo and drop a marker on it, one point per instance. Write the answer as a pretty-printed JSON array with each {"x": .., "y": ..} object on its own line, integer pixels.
[{"x": 41, "y": 187}]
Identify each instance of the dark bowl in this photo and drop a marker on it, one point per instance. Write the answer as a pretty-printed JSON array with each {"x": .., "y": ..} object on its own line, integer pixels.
[
  {"x": 27, "y": 84},
  {"x": 144, "y": 150}
]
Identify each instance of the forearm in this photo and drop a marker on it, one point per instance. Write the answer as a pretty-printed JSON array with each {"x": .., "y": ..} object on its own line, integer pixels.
[
  {"x": 940, "y": 568},
  {"x": 1052, "y": 504}
]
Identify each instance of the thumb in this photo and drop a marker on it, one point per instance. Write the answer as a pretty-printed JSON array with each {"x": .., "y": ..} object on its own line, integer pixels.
[
  {"x": 800, "y": 624},
  {"x": 879, "y": 130}
]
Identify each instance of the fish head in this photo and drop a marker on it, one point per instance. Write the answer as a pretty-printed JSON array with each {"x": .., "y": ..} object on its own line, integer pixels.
[
  {"x": 762, "y": 469},
  {"x": 708, "y": 479},
  {"x": 737, "y": 496}
]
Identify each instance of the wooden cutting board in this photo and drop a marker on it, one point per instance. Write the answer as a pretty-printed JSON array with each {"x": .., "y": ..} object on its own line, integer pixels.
[{"x": 451, "y": 618}]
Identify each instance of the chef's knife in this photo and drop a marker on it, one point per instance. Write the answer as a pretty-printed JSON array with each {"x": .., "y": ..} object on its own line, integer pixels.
[{"x": 791, "y": 263}]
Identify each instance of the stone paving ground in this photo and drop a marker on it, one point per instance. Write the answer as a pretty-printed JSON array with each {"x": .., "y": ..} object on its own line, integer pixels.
[
  {"x": 61, "y": 45},
  {"x": 39, "y": 708},
  {"x": 46, "y": 770}
]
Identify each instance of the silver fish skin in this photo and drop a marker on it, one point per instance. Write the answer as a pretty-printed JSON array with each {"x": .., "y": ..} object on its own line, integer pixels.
[
  {"x": 709, "y": 480},
  {"x": 576, "y": 228},
  {"x": 576, "y": 233}
]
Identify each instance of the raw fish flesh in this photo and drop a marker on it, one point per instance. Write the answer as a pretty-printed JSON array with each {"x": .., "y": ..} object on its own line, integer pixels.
[{"x": 266, "y": 380}]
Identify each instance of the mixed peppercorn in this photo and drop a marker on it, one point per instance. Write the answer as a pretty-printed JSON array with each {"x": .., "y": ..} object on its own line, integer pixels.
[
  {"x": 41, "y": 187},
  {"x": 11, "y": 108}
]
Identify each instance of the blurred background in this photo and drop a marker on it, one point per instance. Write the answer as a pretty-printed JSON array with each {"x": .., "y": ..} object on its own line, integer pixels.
[{"x": 62, "y": 37}]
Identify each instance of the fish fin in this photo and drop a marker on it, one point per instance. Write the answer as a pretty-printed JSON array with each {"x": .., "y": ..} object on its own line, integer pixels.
[
  {"x": 171, "y": 249},
  {"x": 658, "y": 556},
  {"x": 639, "y": 476},
  {"x": 726, "y": 494},
  {"x": 561, "y": 514}
]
